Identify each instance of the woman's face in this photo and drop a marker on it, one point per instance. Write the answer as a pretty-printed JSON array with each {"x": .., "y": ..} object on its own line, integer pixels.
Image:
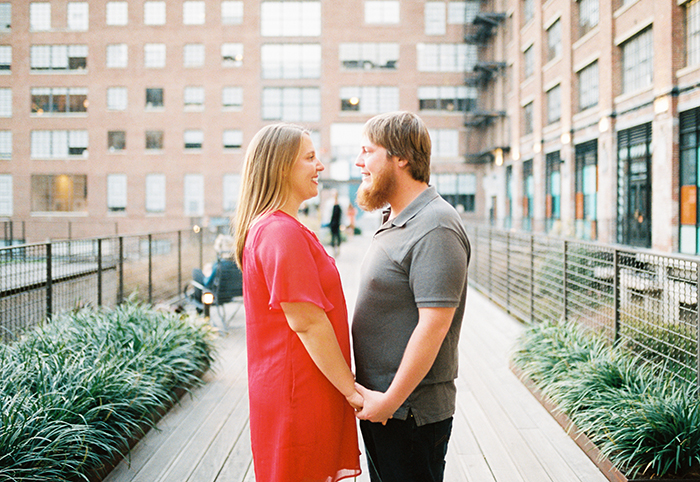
[{"x": 303, "y": 177}]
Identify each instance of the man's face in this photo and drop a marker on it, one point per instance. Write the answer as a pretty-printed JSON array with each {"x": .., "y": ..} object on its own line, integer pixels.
[{"x": 378, "y": 176}]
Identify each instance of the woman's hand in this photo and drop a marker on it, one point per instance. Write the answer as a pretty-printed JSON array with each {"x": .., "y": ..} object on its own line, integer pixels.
[{"x": 355, "y": 400}]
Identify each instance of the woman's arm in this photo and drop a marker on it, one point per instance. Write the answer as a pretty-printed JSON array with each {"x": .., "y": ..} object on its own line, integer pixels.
[{"x": 316, "y": 333}]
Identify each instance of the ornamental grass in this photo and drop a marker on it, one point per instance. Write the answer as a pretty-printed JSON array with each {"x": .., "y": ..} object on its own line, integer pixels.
[{"x": 76, "y": 392}]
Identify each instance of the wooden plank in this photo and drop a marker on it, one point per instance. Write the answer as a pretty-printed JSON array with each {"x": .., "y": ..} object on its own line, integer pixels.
[{"x": 238, "y": 466}]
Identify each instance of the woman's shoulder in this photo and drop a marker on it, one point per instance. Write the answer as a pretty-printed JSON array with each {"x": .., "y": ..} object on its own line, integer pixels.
[{"x": 275, "y": 224}]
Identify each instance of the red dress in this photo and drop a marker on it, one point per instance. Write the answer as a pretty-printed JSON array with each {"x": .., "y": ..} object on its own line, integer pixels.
[{"x": 302, "y": 428}]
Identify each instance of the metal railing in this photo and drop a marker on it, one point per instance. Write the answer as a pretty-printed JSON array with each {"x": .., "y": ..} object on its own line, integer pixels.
[
  {"x": 646, "y": 300},
  {"x": 38, "y": 281}
]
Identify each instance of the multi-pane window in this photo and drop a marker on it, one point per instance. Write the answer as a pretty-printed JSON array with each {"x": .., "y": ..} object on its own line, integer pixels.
[
  {"x": 194, "y": 195},
  {"x": 194, "y": 98},
  {"x": 193, "y": 12},
  {"x": 154, "y": 98},
  {"x": 528, "y": 195},
  {"x": 5, "y": 144},
  {"x": 117, "y": 13},
  {"x": 59, "y": 100},
  {"x": 154, "y": 56},
  {"x": 231, "y": 12},
  {"x": 116, "y": 141},
  {"x": 554, "y": 44},
  {"x": 39, "y": 16},
  {"x": 291, "y": 104},
  {"x": 116, "y": 98},
  {"x": 529, "y": 62},
  {"x": 554, "y": 104},
  {"x": 552, "y": 211},
  {"x": 232, "y": 97},
  {"x": 446, "y": 57},
  {"x": 78, "y": 17},
  {"x": 637, "y": 62},
  {"x": 588, "y": 86},
  {"x": 116, "y": 192},
  {"x": 117, "y": 56},
  {"x": 233, "y": 139},
  {"x": 369, "y": 99},
  {"x": 155, "y": 193},
  {"x": 5, "y": 102},
  {"x": 445, "y": 142},
  {"x": 154, "y": 140},
  {"x": 193, "y": 55},
  {"x": 290, "y": 19},
  {"x": 232, "y": 186},
  {"x": 6, "y": 208},
  {"x": 461, "y": 13},
  {"x": 58, "y": 192},
  {"x": 447, "y": 98},
  {"x": 193, "y": 139},
  {"x": 344, "y": 148},
  {"x": 382, "y": 11},
  {"x": 528, "y": 121},
  {"x": 231, "y": 55},
  {"x": 369, "y": 56},
  {"x": 58, "y": 57},
  {"x": 586, "y": 186},
  {"x": 291, "y": 61},
  {"x": 588, "y": 16},
  {"x": 5, "y": 16},
  {"x": 435, "y": 18},
  {"x": 58, "y": 144},
  {"x": 692, "y": 29},
  {"x": 5, "y": 57},
  {"x": 528, "y": 10},
  {"x": 458, "y": 190},
  {"x": 154, "y": 13}
]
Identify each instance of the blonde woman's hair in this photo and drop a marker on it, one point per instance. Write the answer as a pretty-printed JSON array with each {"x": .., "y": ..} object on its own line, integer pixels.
[{"x": 264, "y": 182}]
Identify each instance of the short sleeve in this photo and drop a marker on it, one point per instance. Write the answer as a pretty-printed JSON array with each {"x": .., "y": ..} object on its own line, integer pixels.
[{"x": 291, "y": 273}]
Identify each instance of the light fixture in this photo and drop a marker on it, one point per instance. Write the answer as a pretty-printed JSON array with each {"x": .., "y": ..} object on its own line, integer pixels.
[
  {"x": 207, "y": 300},
  {"x": 565, "y": 138},
  {"x": 498, "y": 156},
  {"x": 604, "y": 124}
]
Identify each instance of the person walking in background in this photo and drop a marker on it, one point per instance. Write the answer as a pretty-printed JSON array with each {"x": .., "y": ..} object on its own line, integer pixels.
[
  {"x": 334, "y": 225},
  {"x": 352, "y": 212},
  {"x": 409, "y": 310},
  {"x": 302, "y": 393}
]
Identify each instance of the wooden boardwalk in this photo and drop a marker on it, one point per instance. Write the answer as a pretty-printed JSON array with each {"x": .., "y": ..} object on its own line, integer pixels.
[{"x": 501, "y": 433}]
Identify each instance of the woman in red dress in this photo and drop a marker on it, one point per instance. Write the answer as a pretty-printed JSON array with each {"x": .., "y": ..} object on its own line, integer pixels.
[{"x": 301, "y": 390}]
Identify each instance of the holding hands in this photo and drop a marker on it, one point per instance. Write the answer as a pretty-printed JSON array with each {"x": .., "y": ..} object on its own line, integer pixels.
[{"x": 376, "y": 408}]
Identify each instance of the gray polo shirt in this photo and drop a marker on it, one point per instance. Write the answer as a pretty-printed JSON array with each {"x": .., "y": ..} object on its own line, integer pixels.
[{"x": 417, "y": 260}]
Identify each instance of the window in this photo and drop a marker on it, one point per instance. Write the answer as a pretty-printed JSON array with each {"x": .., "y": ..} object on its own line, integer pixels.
[
  {"x": 369, "y": 99},
  {"x": 528, "y": 195},
  {"x": 117, "y": 56},
  {"x": 528, "y": 10},
  {"x": 458, "y": 190},
  {"x": 369, "y": 56},
  {"x": 58, "y": 193},
  {"x": 232, "y": 98},
  {"x": 154, "y": 13},
  {"x": 554, "y": 104},
  {"x": 155, "y": 193},
  {"x": 154, "y": 98},
  {"x": 58, "y": 57},
  {"x": 588, "y": 86},
  {"x": 59, "y": 144},
  {"x": 78, "y": 18},
  {"x": 586, "y": 185},
  {"x": 446, "y": 57},
  {"x": 553, "y": 190},
  {"x": 231, "y": 12},
  {"x": 116, "y": 141},
  {"x": 116, "y": 98},
  {"x": 291, "y": 61},
  {"x": 232, "y": 55},
  {"x": 6, "y": 208},
  {"x": 232, "y": 186},
  {"x": 194, "y": 195},
  {"x": 528, "y": 121},
  {"x": 692, "y": 28},
  {"x": 39, "y": 16},
  {"x": 5, "y": 16},
  {"x": 194, "y": 98},
  {"x": 154, "y": 56},
  {"x": 344, "y": 145},
  {"x": 59, "y": 100},
  {"x": 435, "y": 18},
  {"x": 637, "y": 62},
  {"x": 117, "y": 13},
  {"x": 193, "y": 139},
  {"x": 116, "y": 192},
  {"x": 529, "y": 61},
  {"x": 233, "y": 139},
  {"x": 381, "y": 11},
  {"x": 291, "y": 104},
  {"x": 445, "y": 142},
  {"x": 447, "y": 98},
  {"x": 5, "y": 102},
  {"x": 193, "y": 55},
  {"x": 154, "y": 140},
  {"x": 462, "y": 13},
  {"x": 554, "y": 45},
  {"x": 588, "y": 16},
  {"x": 193, "y": 12},
  {"x": 5, "y": 145},
  {"x": 290, "y": 19}
]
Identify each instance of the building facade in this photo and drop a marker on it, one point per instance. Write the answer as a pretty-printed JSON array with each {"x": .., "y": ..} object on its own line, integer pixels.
[{"x": 133, "y": 115}]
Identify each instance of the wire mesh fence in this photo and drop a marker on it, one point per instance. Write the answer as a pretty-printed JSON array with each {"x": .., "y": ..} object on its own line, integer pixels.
[{"x": 645, "y": 300}]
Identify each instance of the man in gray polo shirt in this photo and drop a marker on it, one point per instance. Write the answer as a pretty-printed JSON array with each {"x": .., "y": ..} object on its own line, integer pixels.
[{"x": 410, "y": 305}]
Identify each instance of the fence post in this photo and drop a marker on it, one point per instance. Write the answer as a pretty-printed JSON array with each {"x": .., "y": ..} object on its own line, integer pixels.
[
  {"x": 99, "y": 272},
  {"x": 150, "y": 271},
  {"x": 490, "y": 264},
  {"x": 616, "y": 293},
  {"x": 508, "y": 273},
  {"x": 120, "y": 296},
  {"x": 566, "y": 278},
  {"x": 532, "y": 278},
  {"x": 179, "y": 262},
  {"x": 201, "y": 248},
  {"x": 49, "y": 284}
]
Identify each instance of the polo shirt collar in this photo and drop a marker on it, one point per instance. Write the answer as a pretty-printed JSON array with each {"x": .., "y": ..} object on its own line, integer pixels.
[{"x": 412, "y": 209}]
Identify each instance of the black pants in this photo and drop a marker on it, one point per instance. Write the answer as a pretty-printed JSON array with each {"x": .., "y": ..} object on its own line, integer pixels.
[{"x": 401, "y": 451}]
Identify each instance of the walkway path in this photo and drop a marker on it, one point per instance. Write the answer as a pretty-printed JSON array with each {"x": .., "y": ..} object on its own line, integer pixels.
[{"x": 501, "y": 433}]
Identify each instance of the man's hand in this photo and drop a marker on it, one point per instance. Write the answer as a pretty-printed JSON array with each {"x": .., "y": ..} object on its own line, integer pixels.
[
  {"x": 377, "y": 408},
  {"x": 355, "y": 400}
]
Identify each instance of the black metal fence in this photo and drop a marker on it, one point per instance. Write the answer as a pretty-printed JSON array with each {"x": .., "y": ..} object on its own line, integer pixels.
[
  {"x": 643, "y": 299},
  {"x": 40, "y": 280}
]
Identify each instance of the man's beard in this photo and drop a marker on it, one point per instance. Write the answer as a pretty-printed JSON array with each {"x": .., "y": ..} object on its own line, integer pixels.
[{"x": 376, "y": 195}]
